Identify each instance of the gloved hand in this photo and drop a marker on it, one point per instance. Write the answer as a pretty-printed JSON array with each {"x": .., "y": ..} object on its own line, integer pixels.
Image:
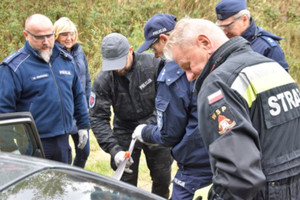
[
  {"x": 137, "y": 133},
  {"x": 120, "y": 157},
  {"x": 83, "y": 137}
]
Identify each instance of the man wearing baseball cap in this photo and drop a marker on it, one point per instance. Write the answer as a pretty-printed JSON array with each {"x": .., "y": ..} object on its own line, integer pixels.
[
  {"x": 235, "y": 20},
  {"x": 176, "y": 116},
  {"x": 127, "y": 83}
]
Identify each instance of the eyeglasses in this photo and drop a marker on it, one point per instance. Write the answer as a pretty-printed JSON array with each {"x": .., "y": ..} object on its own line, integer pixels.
[
  {"x": 66, "y": 34},
  {"x": 41, "y": 37},
  {"x": 153, "y": 42},
  {"x": 225, "y": 26}
]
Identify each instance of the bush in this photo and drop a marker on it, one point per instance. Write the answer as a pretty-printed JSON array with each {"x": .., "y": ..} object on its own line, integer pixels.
[{"x": 96, "y": 18}]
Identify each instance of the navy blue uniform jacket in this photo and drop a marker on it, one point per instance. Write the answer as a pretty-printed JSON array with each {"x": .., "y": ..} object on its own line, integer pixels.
[
  {"x": 50, "y": 91},
  {"x": 177, "y": 124}
]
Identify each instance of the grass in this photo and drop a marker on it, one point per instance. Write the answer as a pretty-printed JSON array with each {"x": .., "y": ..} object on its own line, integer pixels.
[{"x": 99, "y": 162}]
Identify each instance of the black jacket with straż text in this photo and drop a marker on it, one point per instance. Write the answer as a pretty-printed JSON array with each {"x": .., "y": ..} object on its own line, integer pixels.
[{"x": 249, "y": 114}]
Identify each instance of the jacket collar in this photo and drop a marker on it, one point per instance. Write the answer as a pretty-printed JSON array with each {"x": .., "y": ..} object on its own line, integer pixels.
[
  {"x": 218, "y": 57},
  {"x": 253, "y": 31},
  {"x": 74, "y": 48},
  {"x": 170, "y": 73},
  {"x": 32, "y": 52}
]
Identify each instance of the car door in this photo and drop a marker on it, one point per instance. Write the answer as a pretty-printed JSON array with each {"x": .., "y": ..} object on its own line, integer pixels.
[{"x": 19, "y": 135}]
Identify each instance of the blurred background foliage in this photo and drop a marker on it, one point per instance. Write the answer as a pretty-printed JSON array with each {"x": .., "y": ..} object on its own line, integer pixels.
[{"x": 97, "y": 18}]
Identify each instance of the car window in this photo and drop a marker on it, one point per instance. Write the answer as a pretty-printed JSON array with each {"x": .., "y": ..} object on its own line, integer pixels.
[
  {"x": 65, "y": 184},
  {"x": 15, "y": 139},
  {"x": 19, "y": 135}
]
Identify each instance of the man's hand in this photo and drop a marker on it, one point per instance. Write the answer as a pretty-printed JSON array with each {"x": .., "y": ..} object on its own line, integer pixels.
[
  {"x": 120, "y": 157},
  {"x": 137, "y": 133},
  {"x": 83, "y": 137}
]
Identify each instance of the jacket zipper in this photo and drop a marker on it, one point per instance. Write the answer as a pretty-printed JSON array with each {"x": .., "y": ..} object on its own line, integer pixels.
[{"x": 59, "y": 92}]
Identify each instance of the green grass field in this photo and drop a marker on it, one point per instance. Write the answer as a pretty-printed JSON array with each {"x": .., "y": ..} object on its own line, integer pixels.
[{"x": 99, "y": 162}]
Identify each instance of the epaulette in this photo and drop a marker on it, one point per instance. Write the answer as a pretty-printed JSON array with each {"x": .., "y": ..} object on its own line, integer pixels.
[
  {"x": 270, "y": 41},
  {"x": 162, "y": 75},
  {"x": 15, "y": 59}
]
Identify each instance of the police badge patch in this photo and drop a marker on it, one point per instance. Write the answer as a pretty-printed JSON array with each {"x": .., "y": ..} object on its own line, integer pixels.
[{"x": 92, "y": 100}]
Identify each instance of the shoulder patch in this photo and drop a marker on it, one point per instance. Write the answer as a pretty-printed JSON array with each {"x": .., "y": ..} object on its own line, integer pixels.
[
  {"x": 224, "y": 119},
  {"x": 92, "y": 100},
  {"x": 270, "y": 41},
  {"x": 15, "y": 59},
  {"x": 214, "y": 97}
]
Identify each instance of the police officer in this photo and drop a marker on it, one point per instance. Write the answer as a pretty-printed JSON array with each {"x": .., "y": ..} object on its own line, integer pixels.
[
  {"x": 250, "y": 122},
  {"x": 177, "y": 125},
  {"x": 127, "y": 83},
  {"x": 235, "y": 20},
  {"x": 40, "y": 78}
]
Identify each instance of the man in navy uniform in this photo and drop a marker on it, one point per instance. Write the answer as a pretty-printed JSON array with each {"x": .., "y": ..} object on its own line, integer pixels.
[
  {"x": 235, "y": 20},
  {"x": 40, "y": 78},
  {"x": 176, "y": 116}
]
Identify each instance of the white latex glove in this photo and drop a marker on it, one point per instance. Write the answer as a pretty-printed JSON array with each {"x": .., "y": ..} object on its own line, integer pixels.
[
  {"x": 120, "y": 157},
  {"x": 128, "y": 164},
  {"x": 137, "y": 133},
  {"x": 83, "y": 137}
]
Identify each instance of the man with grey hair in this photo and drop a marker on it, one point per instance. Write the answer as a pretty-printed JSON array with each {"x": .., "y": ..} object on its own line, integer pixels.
[
  {"x": 40, "y": 78},
  {"x": 249, "y": 122},
  {"x": 235, "y": 20},
  {"x": 127, "y": 83}
]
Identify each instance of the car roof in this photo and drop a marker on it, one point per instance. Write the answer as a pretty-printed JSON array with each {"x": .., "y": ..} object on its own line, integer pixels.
[{"x": 14, "y": 168}]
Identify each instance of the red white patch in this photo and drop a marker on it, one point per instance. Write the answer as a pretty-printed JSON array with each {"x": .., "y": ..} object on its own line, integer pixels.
[
  {"x": 215, "y": 97},
  {"x": 92, "y": 100}
]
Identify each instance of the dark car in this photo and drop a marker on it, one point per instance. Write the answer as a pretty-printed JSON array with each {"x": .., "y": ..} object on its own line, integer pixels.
[{"x": 27, "y": 177}]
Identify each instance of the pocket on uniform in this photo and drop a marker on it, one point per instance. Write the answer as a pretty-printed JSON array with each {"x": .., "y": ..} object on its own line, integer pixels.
[{"x": 161, "y": 106}]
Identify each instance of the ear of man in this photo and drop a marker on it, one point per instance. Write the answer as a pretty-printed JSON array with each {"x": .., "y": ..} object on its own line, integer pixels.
[
  {"x": 163, "y": 38},
  {"x": 205, "y": 43}
]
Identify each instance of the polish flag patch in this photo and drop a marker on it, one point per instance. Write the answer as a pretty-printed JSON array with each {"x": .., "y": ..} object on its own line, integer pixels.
[{"x": 214, "y": 97}]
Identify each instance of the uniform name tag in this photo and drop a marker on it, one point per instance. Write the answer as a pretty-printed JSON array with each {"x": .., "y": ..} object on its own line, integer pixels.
[{"x": 33, "y": 78}]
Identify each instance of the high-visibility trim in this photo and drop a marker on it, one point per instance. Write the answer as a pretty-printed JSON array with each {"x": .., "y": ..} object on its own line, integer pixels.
[{"x": 258, "y": 78}]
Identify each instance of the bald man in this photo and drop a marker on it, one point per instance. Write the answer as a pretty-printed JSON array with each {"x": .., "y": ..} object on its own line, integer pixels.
[{"x": 40, "y": 78}]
